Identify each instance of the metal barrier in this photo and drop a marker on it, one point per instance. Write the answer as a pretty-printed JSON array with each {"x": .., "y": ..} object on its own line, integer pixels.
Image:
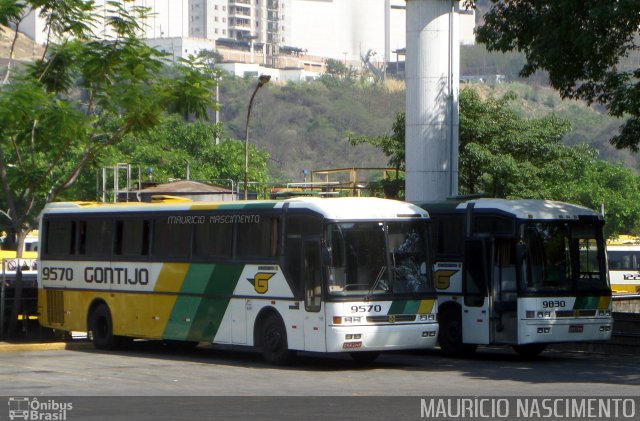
[{"x": 28, "y": 299}]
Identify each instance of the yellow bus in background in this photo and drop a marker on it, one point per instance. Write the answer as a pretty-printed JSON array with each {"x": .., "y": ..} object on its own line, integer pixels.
[{"x": 623, "y": 253}]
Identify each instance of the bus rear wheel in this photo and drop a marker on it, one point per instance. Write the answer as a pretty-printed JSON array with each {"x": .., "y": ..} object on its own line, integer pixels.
[
  {"x": 273, "y": 341},
  {"x": 101, "y": 328},
  {"x": 530, "y": 350},
  {"x": 450, "y": 334}
]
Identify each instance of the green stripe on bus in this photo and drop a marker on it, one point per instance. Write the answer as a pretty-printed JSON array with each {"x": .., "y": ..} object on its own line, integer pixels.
[
  {"x": 404, "y": 307},
  {"x": 268, "y": 205},
  {"x": 198, "y": 317},
  {"x": 586, "y": 303}
]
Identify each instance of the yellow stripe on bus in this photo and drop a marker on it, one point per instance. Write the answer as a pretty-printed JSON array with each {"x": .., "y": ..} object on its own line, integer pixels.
[
  {"x": 604, "y": 303},
  {"x": 171, "y": 277},
  {"x": 426, "y": 306}
]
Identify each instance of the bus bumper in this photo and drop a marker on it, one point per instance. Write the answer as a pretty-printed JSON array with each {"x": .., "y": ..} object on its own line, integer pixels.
[
  {"x": 574, "y": 330},
  {"x": 386, "y": 337}
]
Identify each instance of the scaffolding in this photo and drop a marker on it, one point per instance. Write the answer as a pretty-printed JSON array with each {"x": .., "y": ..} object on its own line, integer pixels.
[
  {"x": 107, "y": 192},
  {"x": 363, "y": 181}
]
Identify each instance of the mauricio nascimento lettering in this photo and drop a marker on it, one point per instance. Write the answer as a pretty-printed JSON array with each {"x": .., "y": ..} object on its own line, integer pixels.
[{"x": 212, "y": 219}]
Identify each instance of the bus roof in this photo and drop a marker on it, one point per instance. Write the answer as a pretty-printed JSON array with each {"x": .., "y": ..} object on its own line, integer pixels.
[
  {"x": 519, "y": 208},
  {"x": 624, "y": 240},
  {"x": 369, "y": 208}
]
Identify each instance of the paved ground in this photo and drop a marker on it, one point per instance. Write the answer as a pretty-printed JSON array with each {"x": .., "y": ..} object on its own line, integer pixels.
[{"x": 154, "y": 382}]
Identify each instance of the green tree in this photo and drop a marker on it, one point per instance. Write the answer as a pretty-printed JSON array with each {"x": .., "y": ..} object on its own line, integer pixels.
[
  {"x": 615, "y": 186},
  {"x": 172, "y": 145},
  {"x": 505, "y": 155},
  {"x": 335, "y": 69},
  {"x": 84, "y": 96},
  {"x": 583, "y": 45}
]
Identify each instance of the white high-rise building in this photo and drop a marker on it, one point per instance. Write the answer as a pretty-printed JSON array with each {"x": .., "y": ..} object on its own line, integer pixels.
[
  {"x": 339, "y": 29},
  {"x": 345, "y": 29}
]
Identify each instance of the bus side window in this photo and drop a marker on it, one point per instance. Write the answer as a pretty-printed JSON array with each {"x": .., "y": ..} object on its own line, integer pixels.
[
  {"x": 132, "y": 237},
  {"x": 213, "y": 240},
  {"x": 170, "y": 240},
  {"x": 258, "y": 240},
  {"x": 60, "y": 237},
  {"x": 447, "y": 234},
  {"x": 94, "y": 237}
]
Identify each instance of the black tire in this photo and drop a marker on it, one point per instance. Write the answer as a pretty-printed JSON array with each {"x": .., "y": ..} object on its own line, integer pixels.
[
  {"x": 450, "y": 334},
  {"x": 180, "y": 345},
  {"x": 101, "y": 328},
  {"x": 530, "y": 350},
  {"x": 273, "y": 340},
  {"x": 364, "y": 357}
]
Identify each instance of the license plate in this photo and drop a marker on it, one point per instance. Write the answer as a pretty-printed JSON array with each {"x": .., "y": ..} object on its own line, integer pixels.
[
  {"x": 576, "y": 328},
  {"x": 350, "y": 345}
]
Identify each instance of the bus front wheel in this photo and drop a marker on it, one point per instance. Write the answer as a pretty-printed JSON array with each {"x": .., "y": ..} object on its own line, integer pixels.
[
  {"x": 275, "y": 348},
  {"x": 101, "y": 328},
  {"x": 450, "y": 334}
]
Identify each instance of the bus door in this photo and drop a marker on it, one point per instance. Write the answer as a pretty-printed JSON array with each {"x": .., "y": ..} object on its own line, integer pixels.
[
  {"x": 476, "y": 313},
  {"x": 504, "y": 291},
  {"x": 314, "y": 321}
]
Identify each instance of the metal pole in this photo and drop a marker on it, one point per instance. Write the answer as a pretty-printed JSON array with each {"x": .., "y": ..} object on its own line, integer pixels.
[
  {"x": 261, "y": 81},
  {"x": 217, "y": 110},
  {"x": 2, "y": 299}
]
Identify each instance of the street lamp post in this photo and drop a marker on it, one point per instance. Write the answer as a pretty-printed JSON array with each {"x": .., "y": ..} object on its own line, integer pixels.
[{"x": 263, "y": 79}]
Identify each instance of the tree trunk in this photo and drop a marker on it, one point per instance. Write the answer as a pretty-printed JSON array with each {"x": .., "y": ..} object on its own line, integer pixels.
[{"x": 16, "y": 309}]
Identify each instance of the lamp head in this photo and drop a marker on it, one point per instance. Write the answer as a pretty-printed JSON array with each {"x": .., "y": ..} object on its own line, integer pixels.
[{"x": 263, "y": 79}]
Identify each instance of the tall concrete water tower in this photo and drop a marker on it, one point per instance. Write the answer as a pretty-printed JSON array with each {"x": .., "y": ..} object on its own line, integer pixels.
[{"x": 432, "y": 120}]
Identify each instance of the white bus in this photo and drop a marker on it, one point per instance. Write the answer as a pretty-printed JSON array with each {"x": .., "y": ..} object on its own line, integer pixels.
[
  {"x": 525, "y": 273},
  {"x": 624, "y": 264},
  {"x": 327, "y": 275}
]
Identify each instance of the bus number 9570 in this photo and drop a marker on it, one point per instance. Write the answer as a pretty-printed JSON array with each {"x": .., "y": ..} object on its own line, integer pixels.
[
  {"x": 366, "y": 309},
  {"x": 57, "y": 274}
]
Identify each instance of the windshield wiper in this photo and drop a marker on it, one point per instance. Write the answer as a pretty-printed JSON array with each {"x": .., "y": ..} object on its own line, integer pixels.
[{"x": 375, "y": 283}]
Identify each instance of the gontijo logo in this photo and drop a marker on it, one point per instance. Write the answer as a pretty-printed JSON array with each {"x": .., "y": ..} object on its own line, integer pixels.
[
  {"x": 260, "y": 281},
  {"x": 33, "y": 409}
]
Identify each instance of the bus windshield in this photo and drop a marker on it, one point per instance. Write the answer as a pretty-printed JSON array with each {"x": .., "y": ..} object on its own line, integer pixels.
[
  {"x": 378, "y": 258},
  {"x": 562, "y": 256}
]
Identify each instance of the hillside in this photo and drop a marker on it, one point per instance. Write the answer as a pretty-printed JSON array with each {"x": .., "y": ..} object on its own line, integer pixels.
[
  {"x": 25, "y": 49},
  {"x": 303, "y": 126}
]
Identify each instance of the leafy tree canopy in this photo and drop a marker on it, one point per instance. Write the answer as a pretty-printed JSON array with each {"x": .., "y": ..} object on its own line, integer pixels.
[
  {"x": 85, "y": 95},
  {"x": 583, "y": 45}
]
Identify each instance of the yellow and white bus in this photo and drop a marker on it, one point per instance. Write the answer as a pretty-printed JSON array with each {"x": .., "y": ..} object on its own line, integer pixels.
[
  {"x": 326, "y": 275},
  {"x": 524, "y": 273},
  {"x": 624, "y": 264}
]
